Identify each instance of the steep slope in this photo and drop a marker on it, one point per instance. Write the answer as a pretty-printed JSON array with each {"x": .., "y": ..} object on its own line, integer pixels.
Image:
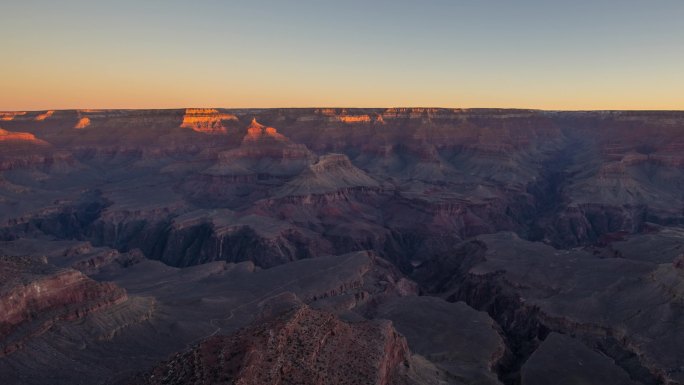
[
  {"x": 303, "y": 346},
  {"x": 332, "y": 172},
  {"x": 461, "y": 341},
  {"x": 622, "y": 308},
  {"x": 564, "y": 361},
  {"x": 34, "y": 296}
]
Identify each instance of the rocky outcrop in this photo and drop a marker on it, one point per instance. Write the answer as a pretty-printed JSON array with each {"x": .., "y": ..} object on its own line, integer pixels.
[
  {"x": 303, "y": 346},
  {"x": 83, "y": 122},
  {"x": 206, "y": 120},
  {"x": 242, "y": 240},
  {"x": 257, "y": 132},
  {"x": 10, "y": 115},
  {"x": 35, "y": 295},
  {"x": 171, "y": 309},
  {"x": 332, "y": 172},
  {"x": 263, "y": 151},
  {"x": 45, "y": 115},
  {"x": 341, "y": 116},
  {"x": 24, "y": 149},
  {"x": 8, "y": 136}
]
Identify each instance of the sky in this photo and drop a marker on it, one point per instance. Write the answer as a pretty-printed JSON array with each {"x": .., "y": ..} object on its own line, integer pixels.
[{"x": 551, "y": 54}]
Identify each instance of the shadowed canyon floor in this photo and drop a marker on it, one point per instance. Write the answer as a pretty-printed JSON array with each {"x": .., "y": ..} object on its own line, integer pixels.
[{"x": 325, "y": 246}]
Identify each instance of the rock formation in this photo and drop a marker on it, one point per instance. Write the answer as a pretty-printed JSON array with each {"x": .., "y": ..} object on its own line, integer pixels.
[
  {"x": 303, "y": 346},
  {"x": 10, "y": 115},
  {"x": 618, "y": 306},
  {"x": 257, "y": 132},
  {"x": 45, "y": 115},
  {"x": 206, "y": 120},
  {"x": 35, "y": 295},
  {"x": 332, "y": 172},
  {"x": 83, "y": 123},
  {"x": 7, "y": 136}
]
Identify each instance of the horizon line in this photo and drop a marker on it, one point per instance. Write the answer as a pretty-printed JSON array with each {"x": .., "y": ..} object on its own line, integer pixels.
[{"x": 347, "y": 107}]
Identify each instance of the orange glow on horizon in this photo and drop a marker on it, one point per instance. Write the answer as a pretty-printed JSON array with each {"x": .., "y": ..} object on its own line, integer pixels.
[{"x": 449, "y": 54}]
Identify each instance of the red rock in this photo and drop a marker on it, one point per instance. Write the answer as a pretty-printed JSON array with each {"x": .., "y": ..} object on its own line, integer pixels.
[
  {"x": 259, "y": 132},
  {"x": 35, "y": 295},
  {"x": 206, "y": 120},
  {"x": 302, "y": 346}
]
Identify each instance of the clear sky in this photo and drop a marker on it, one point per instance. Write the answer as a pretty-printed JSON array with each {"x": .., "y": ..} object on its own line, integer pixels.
[{"x": 549, "y": 54}]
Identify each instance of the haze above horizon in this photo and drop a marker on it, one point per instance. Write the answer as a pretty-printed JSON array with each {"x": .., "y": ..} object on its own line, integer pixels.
[{"x": 587, "y": 55}]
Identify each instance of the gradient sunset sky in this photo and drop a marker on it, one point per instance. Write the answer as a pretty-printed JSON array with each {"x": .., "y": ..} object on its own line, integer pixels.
[{"x": 550, "y": 54}]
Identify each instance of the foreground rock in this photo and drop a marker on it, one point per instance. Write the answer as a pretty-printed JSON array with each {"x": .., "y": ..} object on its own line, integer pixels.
[
  {"x": 171, "y": 310},
  {"x": 303, "y": 346}
]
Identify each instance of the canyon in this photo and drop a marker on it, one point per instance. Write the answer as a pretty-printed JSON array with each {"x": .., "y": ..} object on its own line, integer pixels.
[{"x": 341, "y": 245}]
